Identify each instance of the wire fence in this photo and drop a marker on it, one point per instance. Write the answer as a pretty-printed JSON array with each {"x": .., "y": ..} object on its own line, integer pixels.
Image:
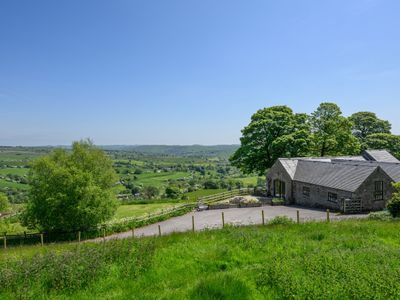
[
  {"x": 25, "y": 239},
  {"x": 126, "y": 224}
]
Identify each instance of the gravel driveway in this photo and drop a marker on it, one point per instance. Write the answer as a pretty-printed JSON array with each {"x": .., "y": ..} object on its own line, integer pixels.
[{"x": 236, "y": 216}]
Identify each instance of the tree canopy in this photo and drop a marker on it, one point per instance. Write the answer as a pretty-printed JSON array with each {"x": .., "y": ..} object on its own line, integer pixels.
[
  {"x": 366, "y": 123},
  {"x": 272, "y": 133},
  {"x": 277, "y": 131},
  {"x": 331, "y": 132},
  {"x": 71, "y": 190},
  {"x": 386, "y": 141}
]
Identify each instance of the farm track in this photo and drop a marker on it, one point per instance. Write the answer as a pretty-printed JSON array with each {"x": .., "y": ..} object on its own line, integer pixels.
[{"x": 211, "y": 219}]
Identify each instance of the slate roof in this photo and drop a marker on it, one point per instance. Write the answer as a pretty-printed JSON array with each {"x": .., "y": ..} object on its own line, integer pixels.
[
  {"x": 392, "y": 169},
  {"x": 345, "y": 177},
  {"x": 380, "y": 156},
  {"x": 345, "y": 173},
  {"x": 290, "y": 165}
]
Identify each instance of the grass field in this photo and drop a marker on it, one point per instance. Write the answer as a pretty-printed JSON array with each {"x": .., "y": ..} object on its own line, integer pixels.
[
  {"x": 16, "y": 185},
  {"x": 14, "y": 171},
  {"x": 341, "y": 260},
  {"x": 139, "y": 210},
  {"x": 159, "y": 179},
  {"x": 194, "y": 196},
  {"x": 248, "y": 180},
  {"x": 22, "y": 155}
]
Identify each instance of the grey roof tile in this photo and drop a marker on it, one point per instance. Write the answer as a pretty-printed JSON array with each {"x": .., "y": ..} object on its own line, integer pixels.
[
  {"x": 336, "y": 175},
  {"x": 380, "y": 156}
]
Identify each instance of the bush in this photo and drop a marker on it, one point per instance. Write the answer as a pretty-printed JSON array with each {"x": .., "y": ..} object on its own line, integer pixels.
[
  {"x": 394, "y": 203},
  {"x": 4, "y": 205},
  {"x": 211, "y": 185},
  {"x": 281, "y": 220},
  {"x": 380, "y": 215},
  {"x": 277, "y": 201},
  {"x": 172, "y": 192}
]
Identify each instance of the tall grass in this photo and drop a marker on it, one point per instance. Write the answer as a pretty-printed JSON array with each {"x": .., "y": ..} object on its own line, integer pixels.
[{"x": 340, "y": 260}]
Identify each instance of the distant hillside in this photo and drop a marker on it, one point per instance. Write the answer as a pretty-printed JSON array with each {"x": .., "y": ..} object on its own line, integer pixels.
[{"x": 175, "y": 150}]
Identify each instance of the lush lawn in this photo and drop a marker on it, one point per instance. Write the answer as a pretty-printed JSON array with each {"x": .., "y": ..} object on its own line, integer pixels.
[
  {"x": 138, "y": 210},
  {"x": 194, "y": 196},
  {"x": 341, "y": 260}
]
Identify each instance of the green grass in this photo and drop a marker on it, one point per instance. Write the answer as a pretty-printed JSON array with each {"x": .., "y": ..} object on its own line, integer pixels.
[
  {"x": 14, "y": 171},
  {"x": 340, "y": 260},
  {"x": 16, "y": 185},
  {"x": 139, "y": 210},
  {"x": 159, "y": 179},
  {"x": 23, "y": 155},
  {"x": 248, "y": 180},
  {"x": 193, "y": 196}
]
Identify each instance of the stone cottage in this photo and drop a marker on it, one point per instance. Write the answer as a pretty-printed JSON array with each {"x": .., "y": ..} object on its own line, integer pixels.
[{"x": 350, "y": 184}]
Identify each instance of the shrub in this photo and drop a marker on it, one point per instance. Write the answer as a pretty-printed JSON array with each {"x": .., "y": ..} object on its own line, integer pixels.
[
  {"x": 394, "y": 203},
  {"x": 277, "y": 201},
  {"x": 380, "y": 215},
  {"x": 3, "y": 203},
  {"x": 281, "y": 220},
  {"x": 211, "y": 185}
]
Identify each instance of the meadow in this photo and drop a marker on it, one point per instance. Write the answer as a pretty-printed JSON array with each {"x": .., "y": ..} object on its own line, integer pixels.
[
  {"x": 191, "y": 172},
  {"x": 340, "y": 260}
]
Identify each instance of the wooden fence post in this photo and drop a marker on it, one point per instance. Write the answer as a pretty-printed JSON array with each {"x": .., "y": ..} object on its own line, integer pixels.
[
  {"x": 41, "y": 239},
  {"x": 193, "y": 223},
  {"x": 298, "y": 217},
  {"x": 5, "y": 240},
  {"x": 223, "y": 219},
  {"x": 104, "y": 234},
  {"x": 328, "y": 219},
  {"x": 133, "y": 232},
  {"x": 79, "y": 236},
  {"x": 159, "y": 230},
  {"x": 263, "y": 218}
]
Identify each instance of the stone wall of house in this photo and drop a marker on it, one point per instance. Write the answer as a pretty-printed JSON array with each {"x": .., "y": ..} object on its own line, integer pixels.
[
  {"x": 318, "y": 196},
  {"x": 277, "y": 171},
  {"x": 366, "y": 192}
]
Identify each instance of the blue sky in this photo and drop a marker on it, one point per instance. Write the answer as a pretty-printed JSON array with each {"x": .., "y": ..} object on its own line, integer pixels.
[{"x": 188, "y": 72}]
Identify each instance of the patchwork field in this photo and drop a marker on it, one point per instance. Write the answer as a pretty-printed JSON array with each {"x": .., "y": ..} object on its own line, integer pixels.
[{"x": 340, "y": 260}]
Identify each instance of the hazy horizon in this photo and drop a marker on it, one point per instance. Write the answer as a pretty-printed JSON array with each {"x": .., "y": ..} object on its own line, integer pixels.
[{"x": 182, "y": 73}]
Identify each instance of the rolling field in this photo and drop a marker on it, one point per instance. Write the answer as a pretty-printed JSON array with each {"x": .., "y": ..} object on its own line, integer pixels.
[
  {"x": 14, "y": 171},
  {"x": 340, "y": 260},
  {"x": 159, "y": 179},
  {"x": 194, "y": 196},
  {"x": 139, "y": 210},
  {"x": 15, "y": 185}
]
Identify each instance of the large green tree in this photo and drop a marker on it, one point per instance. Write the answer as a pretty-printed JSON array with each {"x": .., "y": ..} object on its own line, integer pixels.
[
  {"x": 366, "y": 123},
  {"x": 331, "y": 132},
  {"x": 272, "y": 133},
  {"x": 71, "y": 190},
  {"x": 386, "y": 141}
]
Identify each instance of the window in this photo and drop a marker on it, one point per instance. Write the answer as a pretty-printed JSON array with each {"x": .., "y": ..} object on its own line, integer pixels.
[
  {"x": 306, "y": 191},
  {"x": 378, "y": 193},
  {"x": 332, "y": 197}
]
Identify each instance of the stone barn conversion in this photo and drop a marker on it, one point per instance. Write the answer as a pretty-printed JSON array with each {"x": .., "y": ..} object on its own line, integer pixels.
[{"x": 348, "y": 184}]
